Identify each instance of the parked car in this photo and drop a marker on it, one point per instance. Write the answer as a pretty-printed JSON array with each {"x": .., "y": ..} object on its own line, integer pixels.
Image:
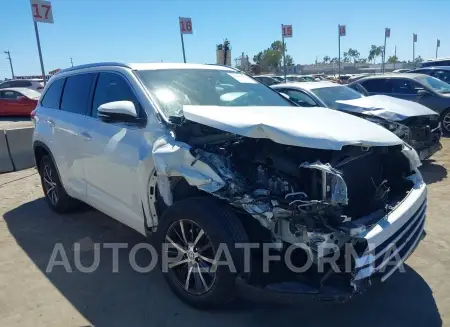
[
  {"x": 401, "y": 70},
  {"x": 18, "y": 101},
  {"x": 268, "y": 80},
  {"x": 34, "y": 84},
  {"x": 415, "y": 124},
  {"x": 300, "y": 78},
  {"x": 426, "y": 90},
  {"x": 210, "y": 168},
  {"x": 435, "y": 62},
  {"x": 440, "y": 72}
]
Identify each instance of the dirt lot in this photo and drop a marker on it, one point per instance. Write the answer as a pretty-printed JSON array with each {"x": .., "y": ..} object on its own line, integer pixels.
[{"x": 31, "y": 297}]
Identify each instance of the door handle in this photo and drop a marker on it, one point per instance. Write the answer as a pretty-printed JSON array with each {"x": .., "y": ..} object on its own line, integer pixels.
[
  {"x": 51, "y": 122},
  {"x": 86, "y": 136}
]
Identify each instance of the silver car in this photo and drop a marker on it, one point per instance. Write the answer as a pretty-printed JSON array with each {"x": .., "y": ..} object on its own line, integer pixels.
[{"x": 415, "y": 124}]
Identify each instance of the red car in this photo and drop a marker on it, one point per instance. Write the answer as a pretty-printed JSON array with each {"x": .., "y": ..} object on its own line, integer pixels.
[{"x": 18, "y": 101}]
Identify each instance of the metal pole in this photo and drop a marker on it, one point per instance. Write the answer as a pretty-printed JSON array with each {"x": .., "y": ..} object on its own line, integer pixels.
[
  {"x": 414, "y": 55},
  {"x": 395, "y": 55},
  {"x": 10, "y": 62},
  {"x": 384, "y": 53},
  {"x": 436, "y": 50},
  {"x": 71, "y": 62},
  {"x": 284, "y": 56},
  {"x": 339, "y": 49},
  {"x": 40, "y": 52}
]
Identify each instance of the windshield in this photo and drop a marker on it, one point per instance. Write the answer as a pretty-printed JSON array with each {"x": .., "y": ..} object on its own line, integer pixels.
[
  {"x": 436, "y": 84},
  {"x": 174, "y": 88},
  {"x": 329, "y": 95}
]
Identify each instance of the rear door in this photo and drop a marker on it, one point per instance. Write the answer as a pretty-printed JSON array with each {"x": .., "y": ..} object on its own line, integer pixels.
[
  {"x": 112, "y": 154},
  {"x": 70, "y": 140}
]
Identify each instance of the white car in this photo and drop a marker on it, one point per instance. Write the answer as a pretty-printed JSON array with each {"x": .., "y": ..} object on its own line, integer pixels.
[
  {"x": 204, "y": 160},
  {"x": 34, "y": 84}
]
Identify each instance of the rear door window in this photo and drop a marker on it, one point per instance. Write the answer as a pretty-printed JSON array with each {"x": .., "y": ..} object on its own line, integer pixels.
[
  {"x": 21, "y": 84},
  {"x": 300, "y": 98},
  {"x": 77, "y": 93},
  {"x": 112, "y": 87},
  {"x": 376, "y": 85},
  {"x": 10, "y": 95},
  {"x": 52, "y": 96}
]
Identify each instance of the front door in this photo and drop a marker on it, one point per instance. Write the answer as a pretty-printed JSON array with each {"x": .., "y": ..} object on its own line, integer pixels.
[{"x": 112, "y": 158}]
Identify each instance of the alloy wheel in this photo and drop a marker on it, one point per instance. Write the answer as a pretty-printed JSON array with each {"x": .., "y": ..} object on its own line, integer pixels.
[
  {"x": 191, "y": 257},
  {"x": 446, "y": 122},
  {"x": 50, "y": 188}
]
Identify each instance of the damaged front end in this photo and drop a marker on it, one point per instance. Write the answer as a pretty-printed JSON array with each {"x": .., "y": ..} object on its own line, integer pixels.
[{"x": 372, "y": 198}]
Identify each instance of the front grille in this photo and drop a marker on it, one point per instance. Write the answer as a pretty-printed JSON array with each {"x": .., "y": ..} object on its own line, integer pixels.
[{"x": 389, "y": 255}]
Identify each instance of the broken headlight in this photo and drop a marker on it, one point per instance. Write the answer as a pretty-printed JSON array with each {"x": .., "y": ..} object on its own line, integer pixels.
[{"x": 400, "y": 130}]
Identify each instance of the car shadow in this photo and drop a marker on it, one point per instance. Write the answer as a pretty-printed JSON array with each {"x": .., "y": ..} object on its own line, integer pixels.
[
  {"x": 15, "y": 119},
  {"x": 130, "y": 298},
  {"x": 432, "y": 172}
]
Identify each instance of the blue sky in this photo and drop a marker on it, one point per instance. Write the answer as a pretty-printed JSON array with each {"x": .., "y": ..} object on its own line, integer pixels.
[{"x": 148, "y": 30}]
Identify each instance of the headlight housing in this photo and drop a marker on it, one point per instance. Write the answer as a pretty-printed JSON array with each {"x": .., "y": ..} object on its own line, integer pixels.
[{"x": 402, "y": 131}]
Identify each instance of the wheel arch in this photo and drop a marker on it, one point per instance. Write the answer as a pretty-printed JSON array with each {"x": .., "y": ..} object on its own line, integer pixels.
[{"x": 179, "y": 188}]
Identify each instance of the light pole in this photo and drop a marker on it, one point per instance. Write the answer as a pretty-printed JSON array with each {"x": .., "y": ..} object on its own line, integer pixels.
[{"x": 10, "y": 62}]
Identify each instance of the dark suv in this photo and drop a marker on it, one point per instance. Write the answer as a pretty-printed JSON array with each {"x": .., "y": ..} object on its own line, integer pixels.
[{"x": 440, "y": 72}]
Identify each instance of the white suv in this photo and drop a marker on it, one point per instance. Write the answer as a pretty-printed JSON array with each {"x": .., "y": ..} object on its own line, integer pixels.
[
  {"x": 204, "y": 159},
  {"x": 34, "y": 84}
]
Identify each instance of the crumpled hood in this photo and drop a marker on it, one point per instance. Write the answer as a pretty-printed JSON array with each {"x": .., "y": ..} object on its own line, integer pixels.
[
  {"x": 386, "y": 107},
  {"x": 318, "y": 128}
]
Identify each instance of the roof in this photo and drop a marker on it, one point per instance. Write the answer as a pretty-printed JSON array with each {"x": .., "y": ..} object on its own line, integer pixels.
[
  {"x": 393, "y": 75},
  {"x": 32, "y": 94},
  {"x": 307, "y": 85},
  {"x": 433, "y": 67},
  {"x": 149, "y": 66},
  {"x": 23, "y": 79}
]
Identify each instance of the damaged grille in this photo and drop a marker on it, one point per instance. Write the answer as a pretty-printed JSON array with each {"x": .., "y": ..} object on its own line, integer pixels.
[{"x": 389, "y": 255}]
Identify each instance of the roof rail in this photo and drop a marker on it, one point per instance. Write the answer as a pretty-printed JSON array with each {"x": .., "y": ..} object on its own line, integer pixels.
[{"x": 98, "y": 64}]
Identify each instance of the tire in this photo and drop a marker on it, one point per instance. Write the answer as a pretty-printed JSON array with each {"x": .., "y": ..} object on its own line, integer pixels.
[
  {"x": 220, "y": 226},
  {"x": 51, "y": 185},
  {"x": 445, "y": 122}
]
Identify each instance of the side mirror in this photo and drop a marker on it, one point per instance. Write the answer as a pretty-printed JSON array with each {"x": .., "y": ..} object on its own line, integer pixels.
[
  {"x": 21, "y": 98},
  {"x": 422, "y": 92},
  {"x": 285, "y": 95},
  {"x": 118, "y": 111}
]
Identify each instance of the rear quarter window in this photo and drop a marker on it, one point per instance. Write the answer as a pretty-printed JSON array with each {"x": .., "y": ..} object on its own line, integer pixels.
[
  {"x": 77, "y": 93},
  {"x": 52, "y": 96}
]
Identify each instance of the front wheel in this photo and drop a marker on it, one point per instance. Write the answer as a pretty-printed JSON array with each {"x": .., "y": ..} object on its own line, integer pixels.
[
  {"x": 445, "y": 121},
  {"x": 197, "y": 232}
]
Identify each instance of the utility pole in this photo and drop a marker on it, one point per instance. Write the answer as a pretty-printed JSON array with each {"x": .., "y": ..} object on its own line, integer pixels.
[
  {"x": 395, "y": 55},
  {"x": 10, "y": 62},
  {"x": 71, "y": 61}
]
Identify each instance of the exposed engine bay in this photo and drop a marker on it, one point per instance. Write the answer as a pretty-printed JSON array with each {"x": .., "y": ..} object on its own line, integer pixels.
[{"x": 301, "y": 195}]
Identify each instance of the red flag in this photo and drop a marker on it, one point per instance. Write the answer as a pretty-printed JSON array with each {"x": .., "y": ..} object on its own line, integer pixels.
[
  {"x": 387, "y": 32},
  {"x": 414, "y": 37},
  {"x": 342, "y": 30}
]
